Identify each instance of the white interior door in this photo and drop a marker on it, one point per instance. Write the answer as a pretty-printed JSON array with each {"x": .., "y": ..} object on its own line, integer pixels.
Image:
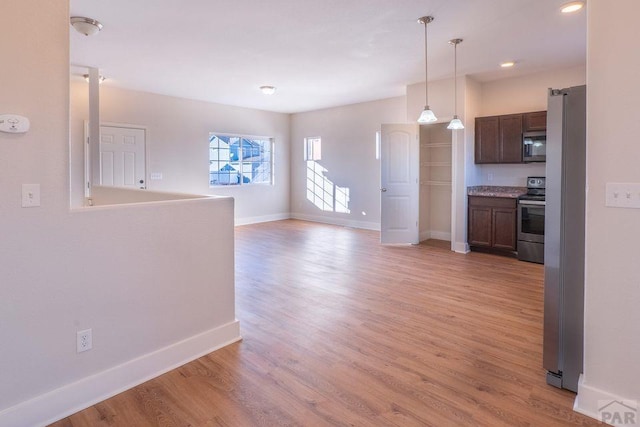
[
  {"x": 400, "y": 184},
  {"x": 122, "y": 157}
]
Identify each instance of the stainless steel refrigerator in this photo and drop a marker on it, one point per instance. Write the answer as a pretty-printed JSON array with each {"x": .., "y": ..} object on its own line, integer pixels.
[{"x": 564, "y": 236}]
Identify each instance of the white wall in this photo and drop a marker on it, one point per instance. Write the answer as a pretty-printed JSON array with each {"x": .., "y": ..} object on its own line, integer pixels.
[
  {"x": 612, "y": 293},
  {"x": 527, "y": 93},
  {"x": 348, "y": 154},
  {"x": 141, "y": 276},
  {"x": 108, "y": 196},
  {"x": 521, "y": 95},
  {"x": 440, "y": 99},
  {"x": 472, "y": 108},
  {"x": 464, "y": 168},
  {"x": 177, "y": 137}
]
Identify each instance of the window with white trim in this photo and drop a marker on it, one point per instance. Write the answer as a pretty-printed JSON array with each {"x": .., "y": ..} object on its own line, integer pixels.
[
  {"x": 240, "y": 160},
  {"x": 313, "y": 148}
]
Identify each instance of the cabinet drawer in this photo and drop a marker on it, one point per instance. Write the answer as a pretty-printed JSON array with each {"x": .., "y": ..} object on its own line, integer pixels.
[{"x": 493, "y": 202}]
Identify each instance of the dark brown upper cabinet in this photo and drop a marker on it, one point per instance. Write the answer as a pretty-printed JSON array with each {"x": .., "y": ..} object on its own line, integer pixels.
[
  {"x": 534, "y": 122},
  {"x": 498, "y": 139},
  {"x": 488, "y": 139},
  {"x": 511, "y": 138}
]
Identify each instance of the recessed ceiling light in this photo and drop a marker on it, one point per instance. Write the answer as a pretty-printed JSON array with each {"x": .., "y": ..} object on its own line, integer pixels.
[
  {"x": 507, "y": 64},
  {"x": 574, "y": 6},
  {"x": 268, "y": 90}
]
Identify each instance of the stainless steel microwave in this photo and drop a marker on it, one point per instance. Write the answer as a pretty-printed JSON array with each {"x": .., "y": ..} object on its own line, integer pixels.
[{"x": 534, "y": 147}]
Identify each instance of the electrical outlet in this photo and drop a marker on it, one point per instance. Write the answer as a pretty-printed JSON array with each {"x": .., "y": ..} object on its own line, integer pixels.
[
  {"x": 489, "y": 176},
  {"x": 84, "y": 341},
  {"x": 30, "y": 195}
]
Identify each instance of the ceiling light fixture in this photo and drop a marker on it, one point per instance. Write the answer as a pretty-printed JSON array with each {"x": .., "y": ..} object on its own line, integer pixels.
[
  {"x": 455, "y": 123},
  {"x": 571, "y": 7},
  {"x": 427, "y": 115},
  {"x": 86, "y": 26},
  {"x": 268, "y": 90},
  {"x": 101, "y": 78},
  {"x": 507, "y": 64}
]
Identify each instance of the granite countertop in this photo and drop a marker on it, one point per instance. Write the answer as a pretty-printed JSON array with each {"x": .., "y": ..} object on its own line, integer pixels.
[{"x": 496, "y": 191}]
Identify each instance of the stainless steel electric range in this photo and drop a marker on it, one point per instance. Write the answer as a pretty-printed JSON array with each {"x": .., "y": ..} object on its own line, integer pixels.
[{"x": 531, "y": 208}]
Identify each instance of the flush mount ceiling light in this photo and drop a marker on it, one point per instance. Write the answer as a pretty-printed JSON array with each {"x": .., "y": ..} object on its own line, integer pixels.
[
  {"x": 101, "y": 78},
  {"x": 86, "y": 26},
  {"x": 455, "y": 123},
  {"x": 427, "y": 115},
  {"x": 268, "y": 90},
  {"x": 571, "y": 7},
  {"x": 507, "y": 64}
]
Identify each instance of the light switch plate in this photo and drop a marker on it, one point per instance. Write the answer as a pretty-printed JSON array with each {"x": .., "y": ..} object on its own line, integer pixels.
[
  {"x": 623, "y": 195},
  {"x": 30, "y": 195}
]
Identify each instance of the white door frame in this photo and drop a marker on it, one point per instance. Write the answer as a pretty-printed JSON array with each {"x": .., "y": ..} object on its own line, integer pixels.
[
  {"x": 405, "y": 228},
  {"x": 458, "y": 191},
  {"x": 459, "y": 210},
  {"x": 92, "y": 157}
]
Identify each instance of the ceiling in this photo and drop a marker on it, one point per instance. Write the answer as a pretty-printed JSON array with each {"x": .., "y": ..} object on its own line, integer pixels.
[{"x": 318, "y": 53}]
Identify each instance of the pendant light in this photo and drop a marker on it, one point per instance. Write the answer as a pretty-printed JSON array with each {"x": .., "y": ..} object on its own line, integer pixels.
[
  {"x": 455, "y": 123},
  {"x": 427, "y": 115}
]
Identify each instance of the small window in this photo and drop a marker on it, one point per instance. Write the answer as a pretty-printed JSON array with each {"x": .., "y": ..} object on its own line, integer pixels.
[
  {"x": 313, "y": 148},
  {"x": 240, "y": 160}
]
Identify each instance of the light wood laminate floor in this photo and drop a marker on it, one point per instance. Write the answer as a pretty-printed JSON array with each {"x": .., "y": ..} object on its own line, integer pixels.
[{"x": 339, "y": 330}]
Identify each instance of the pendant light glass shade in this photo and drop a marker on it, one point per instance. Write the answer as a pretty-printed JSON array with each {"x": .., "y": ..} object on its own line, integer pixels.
[
  {"x": 456, "y": 123},
  {"x": 427, "y": 115}
]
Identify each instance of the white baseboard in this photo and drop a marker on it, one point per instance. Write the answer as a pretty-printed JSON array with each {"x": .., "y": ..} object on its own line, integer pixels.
[
  {"x": 438, "y": 235},
  {"x": 590, "y": 400},
  {"x": 71, "y": 398},
  {"x": 461, "y": 248},
  {"x": 263, "y": 218},
  {"x": 375, "y": 226}
]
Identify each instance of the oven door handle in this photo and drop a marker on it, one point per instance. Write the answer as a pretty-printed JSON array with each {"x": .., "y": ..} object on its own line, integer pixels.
[{"x": 532, "y": 202}]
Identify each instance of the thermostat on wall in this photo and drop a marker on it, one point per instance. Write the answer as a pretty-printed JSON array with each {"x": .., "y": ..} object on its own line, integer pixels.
[{"x": 12, "y": 123}]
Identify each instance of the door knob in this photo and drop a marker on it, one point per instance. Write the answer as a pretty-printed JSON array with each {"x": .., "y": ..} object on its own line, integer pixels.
[{"x": 384, "y": 190}]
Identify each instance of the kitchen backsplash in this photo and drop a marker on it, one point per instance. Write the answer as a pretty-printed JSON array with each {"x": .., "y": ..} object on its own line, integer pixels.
[{"x": 508, "y": 175}]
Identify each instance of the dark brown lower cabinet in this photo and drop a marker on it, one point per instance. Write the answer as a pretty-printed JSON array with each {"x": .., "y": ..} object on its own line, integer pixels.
[
  {"x": 492, "y": 222},
  {"x": 480, "y": 224}
]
